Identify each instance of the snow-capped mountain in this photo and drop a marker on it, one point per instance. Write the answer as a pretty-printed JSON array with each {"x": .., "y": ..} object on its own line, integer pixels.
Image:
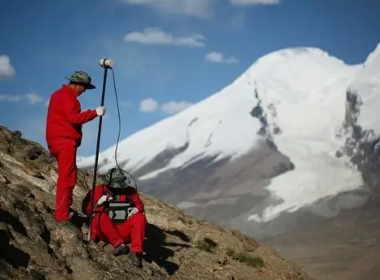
[
  {"x": 289, "y": 153},
  {"x": 275, "y": 136}
]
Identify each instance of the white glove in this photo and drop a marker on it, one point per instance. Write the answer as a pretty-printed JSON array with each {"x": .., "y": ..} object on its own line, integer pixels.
[
  {"x": 103, "y": 199},
  {"x": 101, "y": 110},
  {"x": 132, "y": 211}
]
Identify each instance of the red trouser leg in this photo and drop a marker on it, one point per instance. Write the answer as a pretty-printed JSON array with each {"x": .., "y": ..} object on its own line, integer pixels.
[
  {"x": 67, "y": 178},
  {"x": 103, "y": 228},
  {"x": 134, "y": 229}
]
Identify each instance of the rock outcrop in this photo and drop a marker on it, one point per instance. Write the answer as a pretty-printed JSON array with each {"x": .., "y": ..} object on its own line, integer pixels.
[{"x": 177, "y": 246}]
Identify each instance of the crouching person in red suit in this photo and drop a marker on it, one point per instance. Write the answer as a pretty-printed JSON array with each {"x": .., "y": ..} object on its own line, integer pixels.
[{"x": 118, "y": 215}]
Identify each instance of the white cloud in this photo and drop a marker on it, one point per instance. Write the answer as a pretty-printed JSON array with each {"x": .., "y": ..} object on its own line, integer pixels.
[
  {"x": 173, "y": 107},
  {"x": 6, "y": 68},
  {"x": 253, "y": 2},
  {"x": 32, "y": 98},
  {"x": 155, "y": 36},
  {"x": 198, "y": 8},
  {"x": 231, "y": 60},
  {"x": 10, "y": 97},
  {"x": 148, "y": 105},
  {"x": 217, "y": 57}
]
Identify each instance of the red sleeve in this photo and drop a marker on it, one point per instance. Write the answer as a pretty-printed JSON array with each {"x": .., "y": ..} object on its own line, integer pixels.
[
  {"x": 71, "y": 107},
  {"x": 136, "y": 199}
]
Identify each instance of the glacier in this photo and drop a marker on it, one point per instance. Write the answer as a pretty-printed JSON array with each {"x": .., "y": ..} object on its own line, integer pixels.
[{"x": 303, "y": 94}]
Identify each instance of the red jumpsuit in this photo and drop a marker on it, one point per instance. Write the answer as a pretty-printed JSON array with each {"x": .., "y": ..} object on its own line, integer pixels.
[
  {"x": 103, "y": 228},
  {"x": 63, "y": 136}
]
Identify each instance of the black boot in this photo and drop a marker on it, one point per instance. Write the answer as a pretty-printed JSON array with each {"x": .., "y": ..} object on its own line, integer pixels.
[
  {"x": 120, "y": 250},
  {"x": 135, "y": 258}
]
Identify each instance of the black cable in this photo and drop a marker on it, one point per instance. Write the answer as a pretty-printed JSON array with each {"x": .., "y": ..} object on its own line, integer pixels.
[{"x": 119, "y": 130}]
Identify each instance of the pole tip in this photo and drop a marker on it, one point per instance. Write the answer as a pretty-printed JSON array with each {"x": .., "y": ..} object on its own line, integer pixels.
[{"x": 105, "y": 62}]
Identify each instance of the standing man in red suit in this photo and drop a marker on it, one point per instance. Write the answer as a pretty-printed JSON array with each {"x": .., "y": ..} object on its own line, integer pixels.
[
  {"x": 64, "y": 136},
  {"x": 118, "y": 215}
]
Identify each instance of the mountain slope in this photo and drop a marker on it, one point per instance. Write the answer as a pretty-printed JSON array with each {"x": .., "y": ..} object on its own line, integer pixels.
[
  {"x": 292, "y": 99},
  {"x": 310, "y": 123},
  {"x": 177, "y": 246},
  {"x": 345, "y": 245}
]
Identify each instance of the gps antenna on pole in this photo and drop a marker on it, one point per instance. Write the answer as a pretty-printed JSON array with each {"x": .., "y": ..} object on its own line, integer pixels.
[{"x": 106, "y": 64}]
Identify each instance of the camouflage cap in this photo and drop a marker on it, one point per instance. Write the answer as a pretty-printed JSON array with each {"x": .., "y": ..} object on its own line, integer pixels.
[
  {"x": 81, "y": 78},
  {"x": 115, "y": 179}
]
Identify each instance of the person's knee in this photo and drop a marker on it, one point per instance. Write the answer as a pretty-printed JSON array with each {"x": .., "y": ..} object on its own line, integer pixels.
[
  {"x": 139, "y": 218},
  {"x": 100, "y": 221}
]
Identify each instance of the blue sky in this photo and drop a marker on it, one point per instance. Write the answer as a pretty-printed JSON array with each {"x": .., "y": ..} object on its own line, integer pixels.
[{"x": 168, "y": 53}]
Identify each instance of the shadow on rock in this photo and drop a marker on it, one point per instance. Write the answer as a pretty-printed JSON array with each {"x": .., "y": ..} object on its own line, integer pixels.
[
  {"x": 179, "y": 234},
  {"x": 9, "y": 219},
  {"x": 11, "y": 254},
  {"x": 155, "y": 249},
  {"x": 79, "y": 219}
]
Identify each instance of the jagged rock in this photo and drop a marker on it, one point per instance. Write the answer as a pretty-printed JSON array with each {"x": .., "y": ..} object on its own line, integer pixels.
[
  {"x": 17, "y": 134},
  {"x": 56, "y": 276},
  {"x": 69, "y": 241},
  {"x": 34, "y": 172},
  {"x": 177, "y": 246},
  {"x": 223, "y": 261},
  {"x": 83, "y": 269},
  {"x": 3, "y": 180}
]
